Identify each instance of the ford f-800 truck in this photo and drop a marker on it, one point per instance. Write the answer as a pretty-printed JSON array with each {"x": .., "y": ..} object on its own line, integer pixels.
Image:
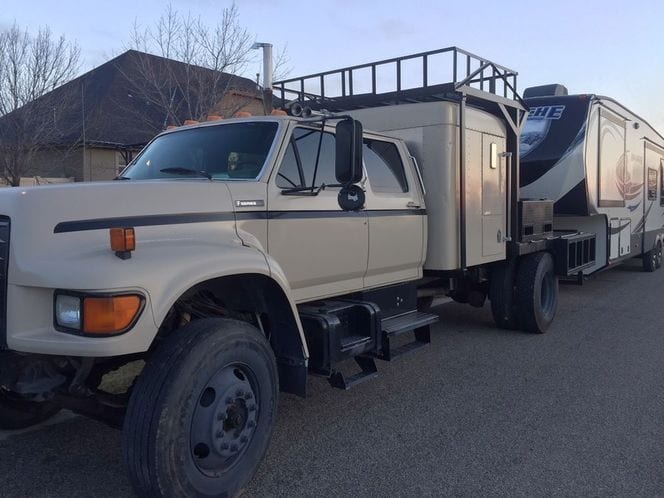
[{"x": 234, "y": 258}]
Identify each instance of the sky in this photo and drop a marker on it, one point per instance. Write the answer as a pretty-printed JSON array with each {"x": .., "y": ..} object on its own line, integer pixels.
[{"x": 611, "y": 47}]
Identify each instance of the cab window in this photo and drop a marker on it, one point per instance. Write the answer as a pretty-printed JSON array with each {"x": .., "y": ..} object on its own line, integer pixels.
[
  {"x": 299, "y": 164},
  {"x": 384, "y": 167}
]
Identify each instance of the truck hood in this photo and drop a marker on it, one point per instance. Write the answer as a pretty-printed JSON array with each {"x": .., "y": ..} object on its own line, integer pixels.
[
  {"x": 35, "y": 213},
  {"x": 44, "y": 207}
]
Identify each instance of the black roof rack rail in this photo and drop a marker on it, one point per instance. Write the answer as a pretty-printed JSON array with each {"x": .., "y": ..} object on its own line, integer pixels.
[{"x": 444, "y": 74}]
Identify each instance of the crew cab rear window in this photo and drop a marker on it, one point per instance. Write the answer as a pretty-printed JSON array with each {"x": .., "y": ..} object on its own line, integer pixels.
[
  {"x": 299, "y": 164},
  {"x": 384, "y": 167}
]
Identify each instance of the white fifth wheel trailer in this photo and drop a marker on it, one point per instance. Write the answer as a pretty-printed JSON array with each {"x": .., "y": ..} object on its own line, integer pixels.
[{"x": 603, "y": 166}]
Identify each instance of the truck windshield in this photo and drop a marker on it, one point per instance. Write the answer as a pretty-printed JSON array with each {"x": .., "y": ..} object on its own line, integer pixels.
[{"x": 234, "y": 151}]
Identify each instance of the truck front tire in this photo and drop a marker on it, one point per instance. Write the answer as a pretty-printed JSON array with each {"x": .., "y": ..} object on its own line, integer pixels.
[
  {"x": 536, "y": 292},
  {"x": 200, "y": 417},
  {"x": 17, "y": 413}
]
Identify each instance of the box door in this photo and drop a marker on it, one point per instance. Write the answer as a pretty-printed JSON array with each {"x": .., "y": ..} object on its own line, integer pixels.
[{"x": 493, "y": 198}]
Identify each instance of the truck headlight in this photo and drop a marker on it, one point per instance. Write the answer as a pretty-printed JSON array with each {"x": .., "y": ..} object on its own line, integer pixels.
[
  {"x": 68, "y": 311},
  {"x": 96, "y": 314}
]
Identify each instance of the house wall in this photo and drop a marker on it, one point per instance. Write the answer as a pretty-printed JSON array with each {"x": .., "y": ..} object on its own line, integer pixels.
[
  {"x": 57, "y": 163},
  {"x": 234, "y": 102},
  {"x": 101, "y": 164}
]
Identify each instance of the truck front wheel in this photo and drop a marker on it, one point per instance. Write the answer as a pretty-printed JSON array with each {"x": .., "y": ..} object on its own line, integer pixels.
[
  {"x": 536, "y": 292},
  {"x": 201, "y": 414}
]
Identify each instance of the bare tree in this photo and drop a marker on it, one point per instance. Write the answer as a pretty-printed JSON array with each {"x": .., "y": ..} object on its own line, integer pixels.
[
  {"x": 208, "y": 56},
  {"x": 30, "y": 67}
]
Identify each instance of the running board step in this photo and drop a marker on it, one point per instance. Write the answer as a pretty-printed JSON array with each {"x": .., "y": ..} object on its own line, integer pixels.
[
  {"x": 405, "y": 323},
  {"x": 353, "y": 343},
  {"x": 368, "y": 371},
  {"x": 417, "y": 322}
]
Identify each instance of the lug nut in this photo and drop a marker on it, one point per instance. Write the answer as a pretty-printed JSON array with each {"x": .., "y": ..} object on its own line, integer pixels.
[
  {"x": 243, "y": 439},
  {"x": 251, "y": 423},
  {"x": 224, "y": 446},
  {"x": 247, "y": 396},
  {"x": 239, "y": 393},
  {"x": 234, "y": 447},
  {"x": 252, "y": 408}
]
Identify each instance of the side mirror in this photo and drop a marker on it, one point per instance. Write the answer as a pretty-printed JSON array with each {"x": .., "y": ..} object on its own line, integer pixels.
[{"x": 348, "y": 164}]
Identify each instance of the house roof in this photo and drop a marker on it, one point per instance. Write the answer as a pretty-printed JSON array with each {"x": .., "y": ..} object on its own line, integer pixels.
[{"x": 122, "y": 103}]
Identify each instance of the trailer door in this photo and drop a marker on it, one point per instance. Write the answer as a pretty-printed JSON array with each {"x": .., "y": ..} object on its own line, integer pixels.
[{"x": 612, "y": 181}]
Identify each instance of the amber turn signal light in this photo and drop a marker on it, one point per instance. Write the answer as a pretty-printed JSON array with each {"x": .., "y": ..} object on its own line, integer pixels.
[
  {"x": 123, "y": 241},
  {"x": 110, "y": 315}
]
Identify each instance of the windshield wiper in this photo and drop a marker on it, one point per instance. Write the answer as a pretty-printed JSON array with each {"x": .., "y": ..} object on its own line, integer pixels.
[
  {"x": 304, "y": 190},
  {"x": 121, "y": 178},
  {"x": 186, "y": 171}
]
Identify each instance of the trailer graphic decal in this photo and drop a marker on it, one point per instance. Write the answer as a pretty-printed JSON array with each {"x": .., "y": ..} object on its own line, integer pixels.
[{"x": 627, "y": 188}]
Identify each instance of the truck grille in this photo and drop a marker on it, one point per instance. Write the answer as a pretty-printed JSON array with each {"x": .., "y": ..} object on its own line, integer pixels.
[{"x": 4, "y": 264}]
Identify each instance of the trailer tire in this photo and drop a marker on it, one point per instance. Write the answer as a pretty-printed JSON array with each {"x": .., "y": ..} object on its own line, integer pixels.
[
  {"x": 650, "y": 259},
  {"x": 536, "y": 292},
  {"x": 17, "y": 413},
  {"x": 501, "y": 295},
  {"x": 201, "y": 414}
]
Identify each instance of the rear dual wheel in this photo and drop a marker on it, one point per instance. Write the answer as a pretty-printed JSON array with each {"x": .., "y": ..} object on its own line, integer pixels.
[{"x": 524, "y": 293}]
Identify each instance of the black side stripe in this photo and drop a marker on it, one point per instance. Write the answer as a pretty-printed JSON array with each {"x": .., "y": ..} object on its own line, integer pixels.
[
  {"x": 289, "y": 215},
  {"x": 141, "y": 221},
  {"x": 186, "y": 218}
]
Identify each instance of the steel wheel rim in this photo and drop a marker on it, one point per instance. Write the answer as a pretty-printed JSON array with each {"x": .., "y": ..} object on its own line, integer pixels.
[{"x": 224, "y": 420}]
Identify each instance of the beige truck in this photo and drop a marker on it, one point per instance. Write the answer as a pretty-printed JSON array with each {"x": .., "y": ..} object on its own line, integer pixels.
[{"x": 234, "y": 258}]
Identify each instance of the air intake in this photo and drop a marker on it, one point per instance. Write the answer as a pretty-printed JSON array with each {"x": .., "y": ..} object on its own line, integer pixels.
[{"x": 554, "y": 90}]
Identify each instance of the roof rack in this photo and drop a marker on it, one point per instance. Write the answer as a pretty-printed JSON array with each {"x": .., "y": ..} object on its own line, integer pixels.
[{"x": 444, "y": 74}]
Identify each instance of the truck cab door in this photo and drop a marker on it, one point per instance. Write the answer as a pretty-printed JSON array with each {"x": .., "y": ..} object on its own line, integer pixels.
[
  {"x": 396, "y": 212},
  {"x": 322, "y": 249}
]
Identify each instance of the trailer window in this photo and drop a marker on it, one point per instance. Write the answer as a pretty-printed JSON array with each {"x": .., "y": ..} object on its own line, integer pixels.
[
  {"x": 652, "y": 184},
  {"x": 299, "y": 164},
  {"x": 384, "y": 167}
]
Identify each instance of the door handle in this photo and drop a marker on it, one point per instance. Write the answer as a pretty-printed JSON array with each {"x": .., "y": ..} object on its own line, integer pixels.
[{"x": 413, "y": 205}]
